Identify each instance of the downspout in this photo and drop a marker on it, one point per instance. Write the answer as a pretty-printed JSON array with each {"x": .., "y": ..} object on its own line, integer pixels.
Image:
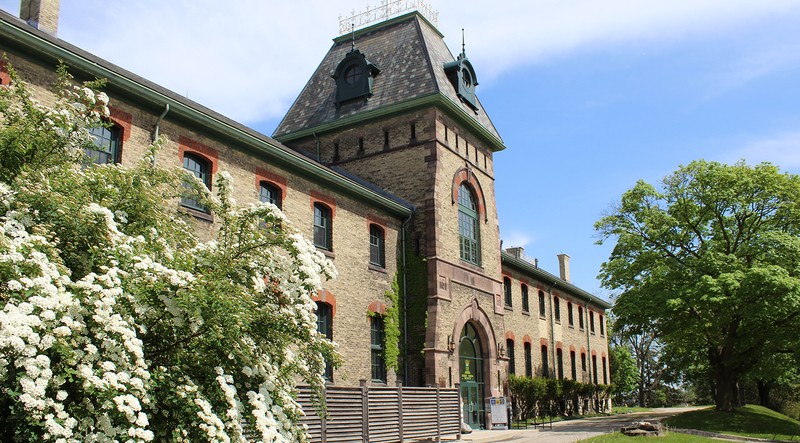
[
  {"x": 553, "y": 330},
  {"x": 158, "y": 127},
  {"x": 405, "y": 299}
]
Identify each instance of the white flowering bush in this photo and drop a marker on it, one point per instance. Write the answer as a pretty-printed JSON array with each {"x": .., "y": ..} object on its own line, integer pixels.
[{"x": 116, "y": 322}]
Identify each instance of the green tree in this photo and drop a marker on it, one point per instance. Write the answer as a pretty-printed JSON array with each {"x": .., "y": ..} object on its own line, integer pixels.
[
  {"x": 116, "y": 322},
  {"x": 623, "y": 372},
  {"x": 710, "y": 264}
]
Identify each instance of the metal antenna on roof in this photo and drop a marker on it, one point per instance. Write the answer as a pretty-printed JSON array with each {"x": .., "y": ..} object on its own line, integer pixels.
[
  {"x": 463, "y": 46},
  {"x": 353, "y": 43}
]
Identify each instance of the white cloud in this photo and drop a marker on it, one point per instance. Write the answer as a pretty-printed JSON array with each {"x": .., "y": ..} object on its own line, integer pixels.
[
  {"x": 249, "y": 58},
  {"x": 516, "y": 239},
  {"x": 781, "y": 149}
]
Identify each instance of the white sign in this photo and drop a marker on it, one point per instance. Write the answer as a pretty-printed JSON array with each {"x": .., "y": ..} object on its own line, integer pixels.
[{"x": 499, "y": 408}]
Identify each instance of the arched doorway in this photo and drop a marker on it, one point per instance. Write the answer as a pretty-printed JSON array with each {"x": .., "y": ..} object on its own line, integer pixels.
[{"x": 470, "y": 353}]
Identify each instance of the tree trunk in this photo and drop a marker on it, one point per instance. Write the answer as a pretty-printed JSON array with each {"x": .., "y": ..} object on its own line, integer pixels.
[
  {"x": 764, "y": 388},
  {"x": 726, "y": 396}
]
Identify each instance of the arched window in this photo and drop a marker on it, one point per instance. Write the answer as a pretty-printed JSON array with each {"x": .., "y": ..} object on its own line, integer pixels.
[
  {"x": 591, "y": 321},
  {"x": 269, "y": 193},
  {"x": 507, "y": 291},
  {"x": 525, "y": 302},
  {"x": 605, "y": 373},
  {"x": 325, "y": 327},
  {"x": 376, "y": 349},
  {"x": 542, "y": 309},
  {"x": 106, "y": 145},
  {"x": 557, "y": 309},
  {"x": 560, "y": 363},
  {"x": 528, "y": 362},
  {"x": 594, "y": 368},
  {"x": 545, "y": 367},
  {"x": 201, "y": 169},
  {"x": 580, "y": 317},
  {"x": 322, "y": 226},
  {"x": 468, "y": 233},
  {"x": 512, "y": 362},
  {"x": 377, "y": 254},
  {"x": 569, "y": 314},
  {"x": 602, "y": 325},
  {"x": 572, "y": 365}
]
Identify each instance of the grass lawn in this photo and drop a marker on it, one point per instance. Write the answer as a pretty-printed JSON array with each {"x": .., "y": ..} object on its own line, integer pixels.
[
  {"x": 672, "y": 437},
  {"x": 751, "y": 420}
]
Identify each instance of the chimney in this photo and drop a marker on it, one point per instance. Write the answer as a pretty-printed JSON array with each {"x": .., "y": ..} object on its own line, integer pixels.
[
  {"x": 516, "y": 252},
  {"x": 41, "y": 14},
  {"x": 563, "y": 266}
]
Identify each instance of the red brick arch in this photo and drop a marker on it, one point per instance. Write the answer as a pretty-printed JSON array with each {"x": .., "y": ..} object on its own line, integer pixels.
[
  {"x": 377, "y": 307},
  {"x": 543, "y": 342},
  {"x": 326, "y": 296},
  {"x": 559, "y": 345},
  {"x": 466, "y": 175},
  {"x": 510, "y": 335},
  {"x": 572, "y": 348},
  {"x": 527, "y": 339}
]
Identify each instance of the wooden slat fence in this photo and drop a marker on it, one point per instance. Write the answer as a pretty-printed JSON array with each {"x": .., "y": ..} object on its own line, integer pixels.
[{"x": 383, "y": 414}]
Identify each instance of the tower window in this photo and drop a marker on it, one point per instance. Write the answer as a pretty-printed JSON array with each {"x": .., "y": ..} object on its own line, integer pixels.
[
  {"x": 469, "y": 236},
  {"x": 325, "y": 327},
  {"x": 507, "y": 291},
  {"x": 525, "y": 302}
]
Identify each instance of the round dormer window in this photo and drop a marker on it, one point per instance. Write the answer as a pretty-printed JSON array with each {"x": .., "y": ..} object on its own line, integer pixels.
[
  {"x": 467, "y": 78},
  {"x": 353, "y": 74}
]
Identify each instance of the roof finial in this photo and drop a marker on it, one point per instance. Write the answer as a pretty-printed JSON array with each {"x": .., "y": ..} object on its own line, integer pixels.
[
  {"x": 353, "y": 43},
  {"x": 463, "y": 46}
]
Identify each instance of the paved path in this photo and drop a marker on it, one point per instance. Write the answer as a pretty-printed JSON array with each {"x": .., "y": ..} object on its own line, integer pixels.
[{"x": 571, "y": 430}]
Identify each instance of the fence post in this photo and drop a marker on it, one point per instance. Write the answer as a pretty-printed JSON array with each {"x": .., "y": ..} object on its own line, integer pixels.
[
  {"x": 323, "y": 422},
  {"x": 364, "y": 411},
  {"x": 460, "y": 418},
  {"x": 438, "y": 415},
  {"x": 400, "y": 410}
]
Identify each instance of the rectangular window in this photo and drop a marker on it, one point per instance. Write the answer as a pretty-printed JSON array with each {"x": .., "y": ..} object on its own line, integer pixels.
[
  {"x": 591, "y": 321},
  {"x": 583, "y": 362},
  {"x": 580, "y": 317},
  {"x": 605, "y": 374},
  {"x": 594, "y": 368},
  {"x": 376, "y": 345},
  {"x": 602, "y": 326}
]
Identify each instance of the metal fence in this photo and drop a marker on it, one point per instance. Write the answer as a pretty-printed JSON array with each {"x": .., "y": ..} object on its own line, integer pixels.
[{"x": 383, "y": 414}]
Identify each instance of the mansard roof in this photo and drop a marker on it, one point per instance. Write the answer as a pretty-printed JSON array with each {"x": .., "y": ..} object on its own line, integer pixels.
[
  {"x": 19, "y": 37},
  {"x": 547, "y": 278},
  {"x": 411, "y": 55}
]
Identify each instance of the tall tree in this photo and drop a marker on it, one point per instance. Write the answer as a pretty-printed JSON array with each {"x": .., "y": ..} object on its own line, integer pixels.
[{"x": 710, "y": 264}]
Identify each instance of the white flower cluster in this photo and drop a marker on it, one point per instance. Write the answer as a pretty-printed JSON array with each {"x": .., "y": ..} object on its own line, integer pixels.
[{"x": 86, "y": 355}]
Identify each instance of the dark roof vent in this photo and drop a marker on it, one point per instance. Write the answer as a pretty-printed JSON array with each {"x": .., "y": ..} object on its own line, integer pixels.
[{"x": 354, "y": 77}]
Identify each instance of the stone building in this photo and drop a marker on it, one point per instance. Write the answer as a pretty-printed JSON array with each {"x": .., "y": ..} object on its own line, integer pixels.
[{"x": 385, "y": 159}]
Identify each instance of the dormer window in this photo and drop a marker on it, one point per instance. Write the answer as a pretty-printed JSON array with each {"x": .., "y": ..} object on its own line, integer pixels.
[
  {"x": 354, "y": 77},
  {"x": 462, "y": 76}
]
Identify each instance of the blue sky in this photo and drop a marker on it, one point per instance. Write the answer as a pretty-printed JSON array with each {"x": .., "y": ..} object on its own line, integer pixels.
[{"x": 589, "y": 96}]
